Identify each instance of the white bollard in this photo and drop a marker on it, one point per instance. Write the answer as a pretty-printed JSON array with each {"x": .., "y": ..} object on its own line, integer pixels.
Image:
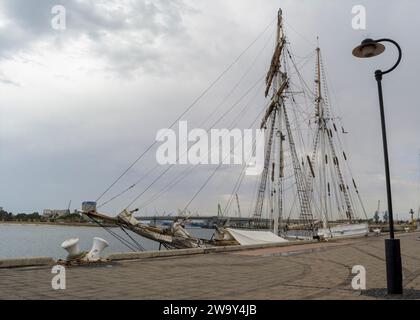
[
  {"x": 71, "y": 246},
  {"x": 98, "y": 246}
]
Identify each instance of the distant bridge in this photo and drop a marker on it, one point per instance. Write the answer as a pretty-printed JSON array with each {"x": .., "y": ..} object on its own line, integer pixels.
[{"x": 211, "y": 221}]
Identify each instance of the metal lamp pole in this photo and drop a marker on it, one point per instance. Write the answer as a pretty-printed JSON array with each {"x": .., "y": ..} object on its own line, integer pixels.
[{"x": 371, "y": 48}]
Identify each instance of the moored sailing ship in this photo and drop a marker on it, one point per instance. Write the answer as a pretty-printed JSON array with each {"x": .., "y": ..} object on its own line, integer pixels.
[{"x": 306, "y": 188}]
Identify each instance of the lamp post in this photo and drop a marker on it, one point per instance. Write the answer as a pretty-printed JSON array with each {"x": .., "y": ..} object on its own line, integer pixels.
[{"x": 367, "y": 49}]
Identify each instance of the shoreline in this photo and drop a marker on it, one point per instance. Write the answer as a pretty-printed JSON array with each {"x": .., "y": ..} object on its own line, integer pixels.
[{"x": 40, "y": 223}]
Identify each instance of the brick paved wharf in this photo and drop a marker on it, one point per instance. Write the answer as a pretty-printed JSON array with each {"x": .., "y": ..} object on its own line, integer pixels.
[{"x": 308, "y": 271}]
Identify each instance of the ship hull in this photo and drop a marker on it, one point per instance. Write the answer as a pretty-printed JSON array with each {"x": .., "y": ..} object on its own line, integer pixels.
[{"x": 345, "y": 230}]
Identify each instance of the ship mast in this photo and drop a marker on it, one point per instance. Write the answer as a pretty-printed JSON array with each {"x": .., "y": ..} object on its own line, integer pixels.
[
  {"x": 321, "y": 129},
  {"x": 327, "y": 153},
  {"x": 275, "y": 117}
]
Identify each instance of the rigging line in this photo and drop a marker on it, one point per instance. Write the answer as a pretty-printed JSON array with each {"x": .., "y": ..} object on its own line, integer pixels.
[
  {"x": 188, "y": 170},
  {"x": 144, "y": 176},
  {"x": 305, "y": 94},
  {"x": 302, "y": 59},
  {"x": 224, "y": 211},
  {"x": 240, "y": 178},
  {"x": 303, "y": 63},
  {"x": 132, "y": 239},
  {"x": 303, "y": 115},
  {"x": 298, "y": 128},
  {"x": 236, "y": 103},
  {"x": 150, "y": 185},
  {"x": 116, "y": 196},
  {"x": 168, "y": 187},
  {"x": 334, "y": 184},
  {"x": 116, "y": 236},
  {"x": 203, "y": 186},
  {"x": 227, "y": 208},
  {"x": 327, "y": 84},
  {"x": 334, "y": 95},
  {"x": 217, "y": 168},
  {"x": 172, "y": 165},
  {"x": 205, "y": 119},
  {"x": 294, "y": 204},
  {"x": 313, "y": 44},
  {"x": 239, "y": 82},
  {"x": 203, "y": 93},
  {"x": 305, "y": 102},
  {"x": 228, "y": 110},
  {"x": 165, "y": 189},
  {"x": 120, "y": 238},
  {"x": 222, "y": 102},
  {"x": 253, "y": 197},
  {"x": 345, "y": 186},
  {"x": 347, "y": 165},
  {"x": 288, "y": 48}
]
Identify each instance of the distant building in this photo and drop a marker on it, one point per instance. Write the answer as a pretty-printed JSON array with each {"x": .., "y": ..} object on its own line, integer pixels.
[
  {"x": 89, "y": 206},
  {"x": 53, "y": 213}
]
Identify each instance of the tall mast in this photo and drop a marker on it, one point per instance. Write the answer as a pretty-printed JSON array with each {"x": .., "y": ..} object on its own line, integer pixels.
[
  {"x": 281, "y": 137},
  {"x": 270, "y": 115},
  {"x": 325, "y": 141},
  {"x": 278, "y": 213},
  {"x": 321, "y": 128},
  {"x": 278, "y": 108},
  {"x": 318, "y": 80}
]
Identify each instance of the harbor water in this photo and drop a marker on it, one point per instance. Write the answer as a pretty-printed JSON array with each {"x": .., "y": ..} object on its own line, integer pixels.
[{"x": 30, "y": 240}]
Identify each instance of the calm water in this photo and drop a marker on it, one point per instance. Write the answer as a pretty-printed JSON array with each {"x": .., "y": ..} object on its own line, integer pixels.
[{"x": 45, "y": 240}]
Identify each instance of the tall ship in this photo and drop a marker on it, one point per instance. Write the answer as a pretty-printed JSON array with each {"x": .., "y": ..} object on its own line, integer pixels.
[{"x": 306, "y": 189}]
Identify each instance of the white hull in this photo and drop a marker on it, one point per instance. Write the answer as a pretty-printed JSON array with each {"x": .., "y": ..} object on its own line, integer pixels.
[{"x": 345, "y": 230}]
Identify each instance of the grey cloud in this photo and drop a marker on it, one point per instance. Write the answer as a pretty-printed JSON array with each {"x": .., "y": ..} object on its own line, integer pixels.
[
  {"x": 9, "y": 82},
  {"x": 6, "y": 80},
  {"x": 123, "y": 33},
  {"x": 59, "y": 151}
]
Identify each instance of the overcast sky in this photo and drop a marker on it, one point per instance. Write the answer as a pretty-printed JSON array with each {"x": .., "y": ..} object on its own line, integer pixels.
[{"x": 78, "y": 106}]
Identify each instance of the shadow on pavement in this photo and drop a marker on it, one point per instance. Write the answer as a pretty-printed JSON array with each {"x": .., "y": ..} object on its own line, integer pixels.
[{"x": 408, "y": 294}]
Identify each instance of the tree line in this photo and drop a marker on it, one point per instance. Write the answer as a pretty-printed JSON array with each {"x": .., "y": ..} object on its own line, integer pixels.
[{"x": 36, "y": 217}]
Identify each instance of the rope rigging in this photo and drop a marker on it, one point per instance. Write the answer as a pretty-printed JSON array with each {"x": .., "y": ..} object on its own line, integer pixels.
[
  {"x": 192, "y": 105},
  {"x": 188, "y": 170},
  {"x": 217, "y": 168},
  {"x": 207, "y": 118},
  {"x": 214, "y": 124},
  {"x": 136, "y": 247},
  {"x": 314, "y": 158}
]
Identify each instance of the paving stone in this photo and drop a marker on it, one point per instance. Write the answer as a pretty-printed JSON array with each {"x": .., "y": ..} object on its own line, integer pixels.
[{"x": 313, "y": 271}]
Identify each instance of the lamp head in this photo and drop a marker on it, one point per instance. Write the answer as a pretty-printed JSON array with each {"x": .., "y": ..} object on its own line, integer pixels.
[{"x": 368, "y": 48}]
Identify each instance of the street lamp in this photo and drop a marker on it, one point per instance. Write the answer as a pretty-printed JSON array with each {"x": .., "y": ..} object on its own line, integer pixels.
[{"x": 367, "y": 49}]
